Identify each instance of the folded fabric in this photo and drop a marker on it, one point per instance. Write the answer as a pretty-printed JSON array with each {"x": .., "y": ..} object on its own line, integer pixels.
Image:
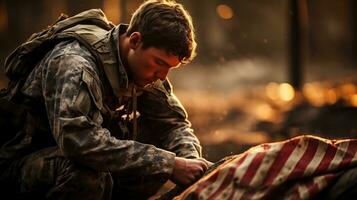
[{"x": 298, "y": 168}]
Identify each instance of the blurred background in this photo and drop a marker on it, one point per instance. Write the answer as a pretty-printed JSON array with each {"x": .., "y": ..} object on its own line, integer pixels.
[{"x": 266, "y": 70}]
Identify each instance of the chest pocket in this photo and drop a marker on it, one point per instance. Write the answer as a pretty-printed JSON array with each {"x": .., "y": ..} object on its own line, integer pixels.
[{"x": 94, "y": 88}]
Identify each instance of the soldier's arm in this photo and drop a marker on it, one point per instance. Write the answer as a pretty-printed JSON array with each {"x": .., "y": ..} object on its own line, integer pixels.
[
  {"x": 163, "y": 116},
  {"x": 73, "y": 100}
]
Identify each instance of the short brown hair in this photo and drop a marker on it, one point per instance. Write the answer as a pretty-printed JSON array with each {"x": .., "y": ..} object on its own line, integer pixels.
[{"x": 165, "y": 24}]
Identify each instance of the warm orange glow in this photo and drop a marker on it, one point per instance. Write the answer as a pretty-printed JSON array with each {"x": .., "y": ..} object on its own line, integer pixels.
[
  {"x": 3, "y": 17},
  {"x": 331, "y": 96},
  {"x": 286, "y": 92},
  {"x": 347, "y": 90},
  {"x": 264, "y": 112},
  {"x": 354, "y": 100},
  {"x": 271, "y": 91},
  {"x": 224, "y": 11},
  {"x": 314, "y": 94},
  {"x": 111, "y": 9}
]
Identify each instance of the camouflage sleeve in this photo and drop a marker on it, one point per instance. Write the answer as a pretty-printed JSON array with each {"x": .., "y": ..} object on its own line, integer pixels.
[
  {"x": 162, "y": 115},
  {"x": 73, "y": 99}
]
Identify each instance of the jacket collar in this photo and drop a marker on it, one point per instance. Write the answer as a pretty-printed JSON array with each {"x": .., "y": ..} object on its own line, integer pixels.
[{"x": 116, "y": 72}]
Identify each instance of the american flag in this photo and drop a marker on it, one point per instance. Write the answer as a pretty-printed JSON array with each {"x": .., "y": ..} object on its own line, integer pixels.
[{"x": 298, "y": 168}]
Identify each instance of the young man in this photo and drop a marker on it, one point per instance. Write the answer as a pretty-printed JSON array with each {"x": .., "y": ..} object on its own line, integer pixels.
[{"x": 107, "y": 131}]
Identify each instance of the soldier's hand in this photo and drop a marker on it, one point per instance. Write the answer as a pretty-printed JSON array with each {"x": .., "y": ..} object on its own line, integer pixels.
[
  {"x": 208, "y": 163},
  {"x": 187, "y": 171}
]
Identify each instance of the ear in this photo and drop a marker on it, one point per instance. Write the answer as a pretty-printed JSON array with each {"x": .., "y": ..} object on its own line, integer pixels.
[{"x": 135, "y": 40}]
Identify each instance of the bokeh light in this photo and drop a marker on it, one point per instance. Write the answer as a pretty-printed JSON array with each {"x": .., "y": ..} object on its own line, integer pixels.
[
  {"x": 224, "y": 11},
  {"x": 314, "y": 94},
  {"x": 354, "y": 100},
  {"x": 264, "y": 112},
  {"x": 347, "y": 90},
  {"x": 331, "y": 96},
  {"x": 272, "y": 91},
  {"x": 286, "y": 92}
]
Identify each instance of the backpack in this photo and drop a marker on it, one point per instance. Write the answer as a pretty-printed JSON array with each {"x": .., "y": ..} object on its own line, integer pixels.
[
  {"x": 14, "y": 111},
  {"x": 24, "y": 58}
]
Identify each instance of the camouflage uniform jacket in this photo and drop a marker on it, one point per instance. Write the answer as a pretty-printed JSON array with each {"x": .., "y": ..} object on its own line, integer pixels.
[{"x": 80, "y": 109}]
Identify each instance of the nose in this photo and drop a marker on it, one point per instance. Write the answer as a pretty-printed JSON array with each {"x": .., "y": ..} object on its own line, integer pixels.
[{"x": 161, "y": 74}]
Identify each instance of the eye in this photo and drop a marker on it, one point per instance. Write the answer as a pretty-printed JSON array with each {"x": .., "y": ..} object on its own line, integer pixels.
[{"x": 159, "y": 62}]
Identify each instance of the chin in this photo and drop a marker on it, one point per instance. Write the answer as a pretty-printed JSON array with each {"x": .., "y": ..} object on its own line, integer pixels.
[{"x": 141, "y": 84}]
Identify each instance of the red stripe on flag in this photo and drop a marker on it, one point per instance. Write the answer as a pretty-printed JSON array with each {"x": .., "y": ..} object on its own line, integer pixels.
[
  {"x": 326, "y": 160},
  {"x": 252, "y": 168},
  {"x": 228, "y": 179},
  {"x": 206, "y": 183},
  {"x": 304, "y": 161},
  {"x": 280, "y": 160}
]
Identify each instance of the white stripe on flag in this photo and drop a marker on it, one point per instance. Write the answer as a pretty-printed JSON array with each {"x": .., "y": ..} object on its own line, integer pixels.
[
  {"x": 241, "y": 170},
  {"x": 262, "y": 171},
  {"x": 319, "y": 155},
  {"x": 340, "y": 153},
  {"x": 321, "y": 182},
  {"x": 354, "y": 159},
  {"x": 267, "y": 161},
  {"x": 260, "y": 194},
  {"x": 303, "y": 191}
]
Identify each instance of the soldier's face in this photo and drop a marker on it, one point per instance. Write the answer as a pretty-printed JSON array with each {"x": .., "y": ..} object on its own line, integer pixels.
[{"x": 149, "y": 64}]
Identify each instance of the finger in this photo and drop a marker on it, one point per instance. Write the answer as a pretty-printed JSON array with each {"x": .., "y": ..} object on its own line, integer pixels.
[
  {"x": 192, "y": 179},
  {"x": 205, "y": 166},
  {"x": 204, "y": 163},
  {"x": 200, "y": 172}
]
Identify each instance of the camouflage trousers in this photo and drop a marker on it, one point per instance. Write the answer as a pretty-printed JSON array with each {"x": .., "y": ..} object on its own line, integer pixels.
[{"x": 46, "y": 175}]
